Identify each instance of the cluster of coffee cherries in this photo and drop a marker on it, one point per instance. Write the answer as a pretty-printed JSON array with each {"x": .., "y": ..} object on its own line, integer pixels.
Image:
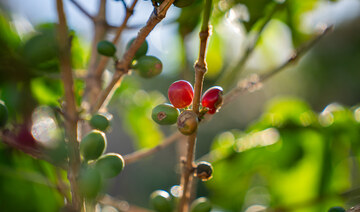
[
  {"x": 181, "y": 94},
  {"x": 96, "y": 165},
  {"x": 146, "y": 66},
  {"x": 162, "y": 201}
]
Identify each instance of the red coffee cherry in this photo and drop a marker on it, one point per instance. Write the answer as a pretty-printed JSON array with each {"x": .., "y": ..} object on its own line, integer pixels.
[
  {"x": 181, "y": 94},
  {"x": 212, "y": 99}
]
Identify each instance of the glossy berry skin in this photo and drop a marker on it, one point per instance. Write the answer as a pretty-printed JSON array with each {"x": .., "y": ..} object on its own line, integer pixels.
[
  {"x": 203, "y": 171},
  {"x": 165, "y": 114},
  {"x": 141, "y": 51},
  {"x": 336, "y": 209},
  {"x": 106, "y": 48},
  {"x": 212, "y": 99},
  {"x": 3, "y": 114},
  {"x": 110, "y": 165},
  {"x": 93, "y": 145},
  {"x": 99, "y": 122},
  {"x": 201, "y": 204},
  {"x": 187, "y": 122},
  {"x": 148, "y": 66},
  {"x": 181, "y": 94},
  {"x": 161, "y": 201}
]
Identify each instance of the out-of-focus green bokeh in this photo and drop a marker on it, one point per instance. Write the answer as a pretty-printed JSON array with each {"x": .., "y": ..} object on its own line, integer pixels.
[{"x": 291, "y": 146}]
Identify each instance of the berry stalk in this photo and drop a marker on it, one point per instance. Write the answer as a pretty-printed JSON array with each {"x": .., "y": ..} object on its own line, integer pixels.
[
  {"x": 70, "y": 107},
  {"x": 200, "y": 70}
]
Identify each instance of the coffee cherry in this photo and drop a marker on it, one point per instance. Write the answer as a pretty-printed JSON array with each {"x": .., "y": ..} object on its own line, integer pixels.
[
  {"x": 165, "y": 114},
  {"x": 187, "y": 122},
  {"x": 181, "y": 94},
  {"x": 110, "y": 165},
  {"x": 90, "y": 182},
  {"x": 106, "y": 48},
  {"x": 141, "y": 51},
  {"x": 201, "y": 204},
  {"x": 3, "y": 114},
  {"x": 161, "y": 201},
  {"x": 212, "y": 99},
  {"x": 148, "y": 66},
  {"x": 337, "y": 209},
  {"x": 203, "y": 171},
  {"x": 99, "y": 122},
  {"x": 93, "y": 145}
]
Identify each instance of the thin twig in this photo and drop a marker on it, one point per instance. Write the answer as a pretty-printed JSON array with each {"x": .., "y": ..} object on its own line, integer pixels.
[
  {"x": 122, "y": 66},
  {"x": 200, "y": 70},
  {"x": 254, "y": 82},
  {"x": 137, "y": 155},
  {"x": 93, "y": 83},
  {"x": 230, "y": 75},
  {"x": 82, "y": 10},
  {"x": 70, "y": 106},
  {"x": 104, "y": 60}
]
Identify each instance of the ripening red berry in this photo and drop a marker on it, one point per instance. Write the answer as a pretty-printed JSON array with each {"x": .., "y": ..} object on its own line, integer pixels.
[
  {"x": 181, "y": 94},
  {"x": 212, "y": 99}
]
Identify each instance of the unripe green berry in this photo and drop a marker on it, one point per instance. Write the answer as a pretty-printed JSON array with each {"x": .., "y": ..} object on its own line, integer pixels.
[
  {"x": 93, "y": 145},
  {"x": 187, "y": 122},
  {"x": 161, "y": 201},
  {"x": 201, "y": 204},
  {"x": 141, "y": 51},
  {"x": 106, "y": 48},
  {"x": 165, "y": 114},
  {"x": 3, "y": 114},
  {"x": 203, "y": 171},
  {"x": 90, "y": 182},
  {"x": 99, "y": 122},
  {"x": 336, "y": 209},
  {"x": 110, "y": 165},
  {"x": 148, "y": 66}
]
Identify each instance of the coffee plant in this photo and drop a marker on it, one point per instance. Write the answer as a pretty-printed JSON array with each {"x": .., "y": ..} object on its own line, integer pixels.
[{"x": 62, "y": 102}]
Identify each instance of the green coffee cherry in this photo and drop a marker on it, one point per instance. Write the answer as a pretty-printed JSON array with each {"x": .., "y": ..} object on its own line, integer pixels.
[
  {"x": 165, "y": 114},
  {"x": 99, "y": 122},
  {"x": 141, "y": 51},
  {"x": 161, "y": 201},
  {"x": 187, "y": 122},
  {"x": 106, "y": 48},
  {"x": 90, "y": 182},
  {"x": 93, "y": 145},
  {"x": 201, "y": 204},
  {"x": 337, "y": 209},
  {"x": 148, "y": 66},
  {"x": 110, "y": 165},
  {"x": 3, "y": 114}
]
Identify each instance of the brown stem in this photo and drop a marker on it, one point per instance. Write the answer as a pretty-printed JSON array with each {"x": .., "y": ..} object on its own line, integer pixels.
[
  {"x": 135, "y": 156},
  {"x": 254, "y": 82},
  {"x": 93, "y": 83},
  {"x": 82, "y": 10},
  {"x": 200, "y": 70},
  {"x": 122, "y": 66},
  {"x": 70, "y": 106},
  {"x": 104, "y": 60}
]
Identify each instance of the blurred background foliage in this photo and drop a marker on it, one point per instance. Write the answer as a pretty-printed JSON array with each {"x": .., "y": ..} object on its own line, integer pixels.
[{"x": 287, "y": 147}]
